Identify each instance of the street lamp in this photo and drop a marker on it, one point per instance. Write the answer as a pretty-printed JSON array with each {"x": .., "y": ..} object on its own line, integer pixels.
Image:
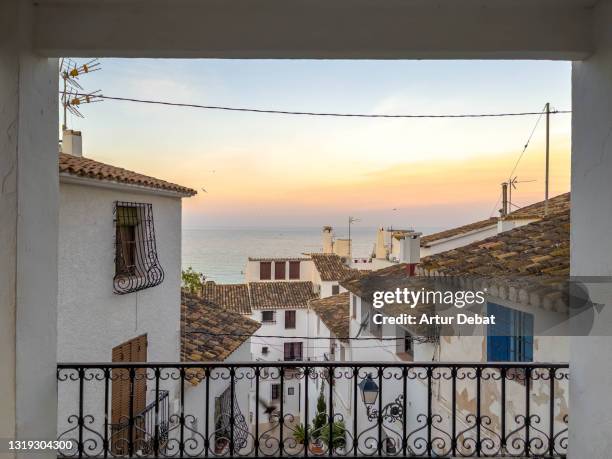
[
  {"x": 392, "y": 412},
  {"x": 369, "y": 391}
]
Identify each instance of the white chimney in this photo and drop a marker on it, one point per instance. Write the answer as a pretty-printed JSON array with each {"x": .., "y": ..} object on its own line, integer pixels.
[
  {"x": 342, "y": 248},
  {"x": 410, "y": 248},
  {"x": 381, "y": 250},
  {"x": 328, "y": 240},
  {"x": 72, "y": 142}
]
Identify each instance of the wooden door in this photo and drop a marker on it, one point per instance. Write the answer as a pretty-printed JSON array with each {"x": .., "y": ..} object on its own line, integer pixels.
[{"x": 128, "y": 394}]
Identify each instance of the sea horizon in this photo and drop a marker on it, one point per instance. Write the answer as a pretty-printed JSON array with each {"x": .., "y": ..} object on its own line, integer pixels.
[{"x": 221, "y": 253}]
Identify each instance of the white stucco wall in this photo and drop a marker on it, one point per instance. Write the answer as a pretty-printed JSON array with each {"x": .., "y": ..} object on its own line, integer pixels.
[
  {"x": 591, "y": 233},
  {"x": 29, "y": 194},
  {"x": 91, "y": 318},
  {"x": 276, "y": 345}
]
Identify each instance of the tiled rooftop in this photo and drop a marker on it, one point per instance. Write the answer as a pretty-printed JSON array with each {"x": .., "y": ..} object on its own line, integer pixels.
[
  {"x": 234, "y": 297},
  {"x": 281, "y": 295},
  {"x": 330, "y": 266},
  {"x": 198, "y": 314},
  {"x": 528, "y": 264},
  {"x": 79, "y": 166},
  {"x": 334, "y": 312},
  {"x": 556, "y": 204}
]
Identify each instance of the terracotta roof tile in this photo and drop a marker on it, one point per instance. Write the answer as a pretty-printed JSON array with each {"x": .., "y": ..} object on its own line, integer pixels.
[
  {"x": 330, "y": 266},
  {"x": 364, "y": 284},
  {"x": 281, "y": 295},
  {"x": 482, "y": 224},
  {"x": 88, "y": 168},
  {"x": 334, "y": 312},
  {"x": 234, "y": 297},
  {"x": 560, "y": 203},
  {"x": 198, "y": 314},
  {"x": 557, "y": 204}
]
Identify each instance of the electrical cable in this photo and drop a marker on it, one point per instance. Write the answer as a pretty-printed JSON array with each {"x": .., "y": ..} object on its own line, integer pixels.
[{"x": 307, "y": 113}]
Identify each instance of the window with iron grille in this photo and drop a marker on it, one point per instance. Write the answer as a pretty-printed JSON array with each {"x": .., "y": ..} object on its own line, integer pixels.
[
  {"x": 136, "y": 264},
  {"x": 275, "y": 395}
]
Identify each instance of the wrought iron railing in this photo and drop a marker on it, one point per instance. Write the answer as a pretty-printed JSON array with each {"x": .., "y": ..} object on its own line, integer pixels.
[
  {"x": 348, "y": 409},
  {"x": 143, "y": 428}
]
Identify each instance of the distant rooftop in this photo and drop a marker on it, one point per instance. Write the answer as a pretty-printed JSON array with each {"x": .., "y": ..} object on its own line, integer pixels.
[
  {"x": 334, "y": 312},
  {"x": 556, "y": 204},
  {"x": 281, "y": 295}
]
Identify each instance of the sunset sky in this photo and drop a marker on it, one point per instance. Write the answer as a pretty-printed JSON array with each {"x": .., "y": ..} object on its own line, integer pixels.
[{"x": 271, "y": 170}]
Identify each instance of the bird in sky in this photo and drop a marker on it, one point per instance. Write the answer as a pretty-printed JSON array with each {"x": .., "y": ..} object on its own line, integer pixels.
[{"x": 204, "y": 190}]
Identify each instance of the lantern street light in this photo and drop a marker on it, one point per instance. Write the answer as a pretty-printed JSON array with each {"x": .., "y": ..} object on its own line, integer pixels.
[{"x": 392, "y": 412}]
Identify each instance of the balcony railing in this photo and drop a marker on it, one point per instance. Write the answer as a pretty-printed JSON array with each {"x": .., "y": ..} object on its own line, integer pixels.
[{"x": 411, "y": 409}]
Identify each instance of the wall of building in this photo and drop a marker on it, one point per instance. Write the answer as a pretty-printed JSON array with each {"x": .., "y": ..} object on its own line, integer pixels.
[
  {"x": 276, "y": 345},
  {"x": 252, "y": 271},
  {"x": 91, "y": 318},
  {"x": 591, "y": 251},
  {"x": 28, "y": 230},
  {"x": 459, "y": 241}
]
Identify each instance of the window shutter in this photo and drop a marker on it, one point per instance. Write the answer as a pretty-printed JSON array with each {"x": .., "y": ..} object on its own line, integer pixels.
[
  {"x": 265, "y": 270},
  {"x": 294, "y": 270},
  {"x": 279, "y": 270}
]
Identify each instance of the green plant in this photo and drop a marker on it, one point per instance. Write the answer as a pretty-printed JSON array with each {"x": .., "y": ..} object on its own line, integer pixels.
[
  {"x": 299, "y": 434},
  {"x": 320, "y": 418},
  {"x": 338, "y": 435},
  {"x": 192, "y": 280}
]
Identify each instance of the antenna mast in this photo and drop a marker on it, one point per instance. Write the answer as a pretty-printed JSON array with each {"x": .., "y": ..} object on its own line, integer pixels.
[{"x": 73, "y": 94}]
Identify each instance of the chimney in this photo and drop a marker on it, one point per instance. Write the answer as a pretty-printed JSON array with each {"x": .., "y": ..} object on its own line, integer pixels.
[
  {"x": 328, "y": 240},
  {"x": 72, "y": 142},
  {"x": 342, "y": 248},
  {"x": 410, "y": 249},
  {"x": 504, "y": 209},
  {"x": 381, "y": 250}
]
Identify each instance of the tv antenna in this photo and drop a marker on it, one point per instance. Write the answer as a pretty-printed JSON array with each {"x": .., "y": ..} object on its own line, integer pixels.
[
  {"x": 512, "y": 182},
  {"x": 73, "y": 94}
]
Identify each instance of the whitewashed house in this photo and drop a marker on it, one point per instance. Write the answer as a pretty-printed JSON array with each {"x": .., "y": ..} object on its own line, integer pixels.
[
  {"x": 119, "y": 272},
  {"x": 524, "y": 273},
  {"x": 213, "y": 334}
]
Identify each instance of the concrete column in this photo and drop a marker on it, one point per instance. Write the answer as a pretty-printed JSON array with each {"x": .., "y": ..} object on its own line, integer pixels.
[
  {"x": 29, "y": 196},
  {"x": 591, "y": 240}
]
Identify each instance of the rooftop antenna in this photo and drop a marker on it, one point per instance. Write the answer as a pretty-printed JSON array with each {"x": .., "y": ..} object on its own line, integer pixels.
[
  {"x": 73, "y": 94},
  {"x": 512, "y": 185},
  {"x": 351, "y": 220}
]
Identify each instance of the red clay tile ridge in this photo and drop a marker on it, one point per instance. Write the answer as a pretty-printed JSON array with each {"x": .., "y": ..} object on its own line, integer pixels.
[{"x": 78, "y": 166}]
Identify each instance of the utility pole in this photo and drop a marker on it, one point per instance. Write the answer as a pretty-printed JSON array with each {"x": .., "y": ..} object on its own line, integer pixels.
[
  {"x": 504, "y": 211},
  {"x": 547, "y": 157}
]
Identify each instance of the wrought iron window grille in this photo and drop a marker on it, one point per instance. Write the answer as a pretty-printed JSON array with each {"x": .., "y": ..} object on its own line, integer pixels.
[{"x": 137, "y": 265}]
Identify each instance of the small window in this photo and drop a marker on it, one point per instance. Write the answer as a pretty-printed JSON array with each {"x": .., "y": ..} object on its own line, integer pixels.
[
  {"x": 265, "y": 270},
  {"x": 275, "y": 395},
  {"x": 290, "y": 319},
  {"x": 335, "y": 289},
  {"x": 294, "y": 270},
  {"x": 293, "y": 351},
  {"x": 279, "y": 270},
  {"x": 290, "y": 390},
  {"x": 136, "y": 264},
  {"x": 268, "y": 316},
  {"x": 265, "y": 350},
  {"x": 510, "y": 339}
]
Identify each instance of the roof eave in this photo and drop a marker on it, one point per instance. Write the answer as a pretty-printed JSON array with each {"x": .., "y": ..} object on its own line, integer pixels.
[{"x": 72, "y": 179}]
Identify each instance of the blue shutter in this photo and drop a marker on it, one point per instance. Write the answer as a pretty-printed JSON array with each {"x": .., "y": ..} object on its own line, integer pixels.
[
  {"x": 527, "y": 334},
  {"x": 499, "y": 334}
]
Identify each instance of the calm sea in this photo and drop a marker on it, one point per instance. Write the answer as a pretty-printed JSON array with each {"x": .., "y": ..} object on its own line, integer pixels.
[{"x": 221, "y": 254}]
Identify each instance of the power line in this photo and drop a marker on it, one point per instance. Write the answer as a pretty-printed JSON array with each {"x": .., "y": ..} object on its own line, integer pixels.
[
  {"x": 328, "y": 338},
  {"x": 329, "y": 114},
  {"x": 518, "y": 160}
]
